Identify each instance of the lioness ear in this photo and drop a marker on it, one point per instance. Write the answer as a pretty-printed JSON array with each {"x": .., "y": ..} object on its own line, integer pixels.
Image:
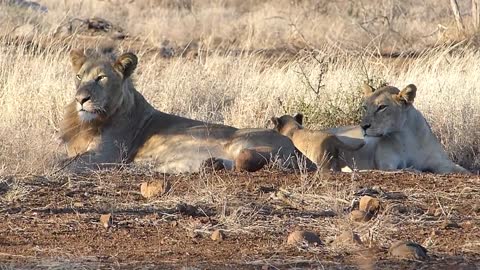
[
  {"x": 78, "y": 58},
  {"x": 367, "y": 89},
  {"x": 408, "y": 94},
  {"x": 275, "y": 121},
  {"x": 299, "y": 118},
  {"x": 126, "y": 64}
]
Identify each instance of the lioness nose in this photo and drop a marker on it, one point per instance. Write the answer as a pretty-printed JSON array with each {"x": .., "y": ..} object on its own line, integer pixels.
[
  {"x": 365, "y": 126},
  {"x": 82, "y": 98}
]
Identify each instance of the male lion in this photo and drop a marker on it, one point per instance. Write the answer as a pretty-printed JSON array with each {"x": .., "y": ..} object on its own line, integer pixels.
[
  {"x": 397, "y": 135},
  {"x": 109, "y": 122},
  {"x": 321, "y": 147}
]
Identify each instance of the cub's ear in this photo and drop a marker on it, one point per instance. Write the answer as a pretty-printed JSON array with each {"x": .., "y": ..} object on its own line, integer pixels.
[
  {"x": 78, "y": 58},
  {"x": 126, "y": 64},
  {"x": 408, "y": 94},
  {"x": 275, "y": 121},
  {"x": 367, "y": 89},
  {"x": 299, "y": 118}
]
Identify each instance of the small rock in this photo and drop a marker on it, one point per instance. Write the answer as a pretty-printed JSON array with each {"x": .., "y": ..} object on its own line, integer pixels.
[
  {"x": 468, "y": 224},
  {"x": 77, "y": 204},
  {"x": 360, "y": 216},
  {"x": 369, "y": 204},
  {"x": 217, "y": 235},
  {"x": 348, "y": 237},
  {"x": 154, "y": 188},
  {"x": 299, "y": 237},
  {"x": 106, "y": 220},
  {"x": 408, "y": 250}
]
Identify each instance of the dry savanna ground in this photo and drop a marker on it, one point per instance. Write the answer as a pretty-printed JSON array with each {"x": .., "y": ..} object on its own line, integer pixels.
[{"x": 239, "y": 63}]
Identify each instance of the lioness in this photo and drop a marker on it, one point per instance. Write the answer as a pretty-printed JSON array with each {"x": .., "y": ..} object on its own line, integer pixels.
[
  {"x": 110, "y": 122},
  {"x": 397, "y": 135},
  {"x": 319, "y": 146}
]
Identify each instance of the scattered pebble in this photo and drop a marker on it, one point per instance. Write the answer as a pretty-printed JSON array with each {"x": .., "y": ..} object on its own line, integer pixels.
[
  {"x": 217, "y": 235},
  {"x": 299, "y": 237},
  {"x": 408, "y": 250},
  {"x": 106, "y": 220},
  {"x": 369, "y": 204},
  {"x": 78, "y": 204},
  {"x": 154, "y": 188},
  {"x": 360, "y": 216}
]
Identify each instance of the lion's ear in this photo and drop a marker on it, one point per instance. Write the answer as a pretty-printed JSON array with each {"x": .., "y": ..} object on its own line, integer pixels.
[
  {"x": 78, "y": 58},
  {"x": 299, "y": 118},
  {"x": 275, "y": 121},
  {"x": 126, "y": 64},
  {"x": 367, "y": 89},
  {"x": 408, "y": 94}
]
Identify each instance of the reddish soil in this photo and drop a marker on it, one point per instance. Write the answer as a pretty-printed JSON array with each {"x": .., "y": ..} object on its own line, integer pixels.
[{"x": 54, "y": 221}]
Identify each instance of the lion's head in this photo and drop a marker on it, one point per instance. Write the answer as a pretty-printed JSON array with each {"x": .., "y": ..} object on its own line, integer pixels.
[
  {"x": 102, "y": 88},
  {"x": 286, "y": 124},
  {"x": 101, "y": 84},
  {"x": 385, "y": 109}
]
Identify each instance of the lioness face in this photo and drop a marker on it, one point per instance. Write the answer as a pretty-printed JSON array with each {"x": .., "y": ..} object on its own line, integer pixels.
[
  {"x": 99, "y": 84},
  {"x": 385, "y": 109},
  {"x": 286, "y": 123}
]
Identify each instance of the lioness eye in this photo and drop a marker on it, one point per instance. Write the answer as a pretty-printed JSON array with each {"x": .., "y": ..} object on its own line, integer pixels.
[
  {"x": 100, "y": 77},
  {"x": 79, "y": 77},
  {"x": 381, "y": 108}
]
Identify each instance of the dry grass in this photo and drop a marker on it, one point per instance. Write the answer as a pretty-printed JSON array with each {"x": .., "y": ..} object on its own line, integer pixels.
[
  {"x": 257, "y": 59},
  {"x": 243, "y": 90}
]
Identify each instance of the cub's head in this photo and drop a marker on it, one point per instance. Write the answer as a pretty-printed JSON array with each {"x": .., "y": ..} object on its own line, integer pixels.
[
  {"x": 286, "y": 124},
  {"x": 101, "y": 83},
  {"x": 385, "y": 109}
]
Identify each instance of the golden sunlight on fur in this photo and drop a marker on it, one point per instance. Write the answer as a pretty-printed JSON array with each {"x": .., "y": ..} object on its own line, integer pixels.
[
  {"x": 397, "y": 135},
  {"x": 122, "y": 127}
]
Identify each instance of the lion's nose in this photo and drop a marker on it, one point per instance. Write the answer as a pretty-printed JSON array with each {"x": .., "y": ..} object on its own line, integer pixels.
[
  {"x": 82, "y": 98},
  {"x": 365, "y": 126}
]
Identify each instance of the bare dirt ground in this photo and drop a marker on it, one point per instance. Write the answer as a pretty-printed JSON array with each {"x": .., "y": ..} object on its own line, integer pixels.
[{"x": 54, "y": 221}]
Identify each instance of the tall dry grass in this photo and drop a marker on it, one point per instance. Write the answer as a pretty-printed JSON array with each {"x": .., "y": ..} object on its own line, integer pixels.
[
  {"x": 241, "y": 90},
  {"x": 391, "y": 25}
]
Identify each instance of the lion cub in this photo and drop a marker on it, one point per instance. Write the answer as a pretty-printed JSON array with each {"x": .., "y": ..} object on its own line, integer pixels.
[{"x": 320, "y": 147}]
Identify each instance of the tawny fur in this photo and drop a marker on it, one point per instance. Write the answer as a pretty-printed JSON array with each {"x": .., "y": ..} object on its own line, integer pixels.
[
  {"x": 119, "y": 126},
  {"x": 319, "y": 146},
  {"x": 397, "y": 135}
]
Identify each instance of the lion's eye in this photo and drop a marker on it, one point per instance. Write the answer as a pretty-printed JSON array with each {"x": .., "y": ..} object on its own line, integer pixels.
[
  {"x": 100, "y": 77},
  {"x": 381, "y": 108},
  {"x": 364, "y": 108},
  {"x": 79, "y": 77}
]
